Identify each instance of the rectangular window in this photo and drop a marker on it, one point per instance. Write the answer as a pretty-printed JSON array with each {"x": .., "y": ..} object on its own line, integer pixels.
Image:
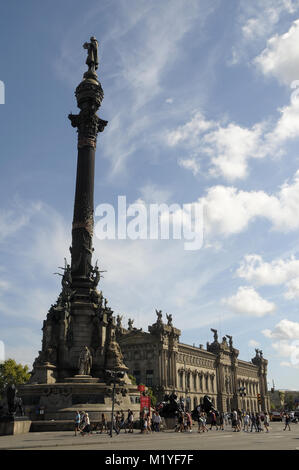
[
  {"x": 149, "y": 378},
  {"x": 181, "y": 380},
  {"x": 137, "y": 376}
]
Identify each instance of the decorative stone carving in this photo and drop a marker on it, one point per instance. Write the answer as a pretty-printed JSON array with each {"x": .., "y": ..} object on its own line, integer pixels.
[
  {"x": 169, "y": 319},
  {"x": 130, "y": 324},
  {"x": 85, "y": 361},
  {"x": 159, "y": 317}
]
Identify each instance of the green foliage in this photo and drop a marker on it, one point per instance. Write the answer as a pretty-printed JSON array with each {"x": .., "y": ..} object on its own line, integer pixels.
[
  {"x": 132, "y": 378},
  {"x": 12, "y": 373},
  {"x": 150, "y": 392},
  {"x": 289, "y": 402}
]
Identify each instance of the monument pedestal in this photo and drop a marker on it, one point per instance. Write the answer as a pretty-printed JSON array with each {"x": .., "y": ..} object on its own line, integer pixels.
[
  {"x": 80, "y": 379},
  {"x": 10, "y": 425}
]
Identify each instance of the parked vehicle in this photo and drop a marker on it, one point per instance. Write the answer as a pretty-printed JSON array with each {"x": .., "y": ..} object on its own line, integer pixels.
[
  {"x": 276, "y": 416},
  {"x": 295, "y": 417}
]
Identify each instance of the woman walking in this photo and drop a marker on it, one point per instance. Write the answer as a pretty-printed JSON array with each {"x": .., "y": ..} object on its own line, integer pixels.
[
  {"x": 86, "y": 429},
  {"x": 213, "y": 420},
  {"x": 130, "y": 421},
  {"x": 287, "y": 421},
  {"x": 266, "y": 422},
  {"x": 221, "y": 420},
  {"x": 246, "y": 422}
]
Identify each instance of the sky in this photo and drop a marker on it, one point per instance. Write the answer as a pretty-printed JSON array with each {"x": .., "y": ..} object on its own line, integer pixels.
[{"x": 201, "y": 99}]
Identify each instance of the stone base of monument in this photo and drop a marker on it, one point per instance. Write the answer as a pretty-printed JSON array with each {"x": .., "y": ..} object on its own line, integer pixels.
[
  {"x": 169, "y": 423},
  {"x": 14, "y": 425},
  {"x": 82, "y": 379},
  {"x": 60, "y": 401}
]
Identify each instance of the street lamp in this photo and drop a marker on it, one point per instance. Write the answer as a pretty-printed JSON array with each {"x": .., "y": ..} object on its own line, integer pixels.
[{"x": 114, "y": 374}]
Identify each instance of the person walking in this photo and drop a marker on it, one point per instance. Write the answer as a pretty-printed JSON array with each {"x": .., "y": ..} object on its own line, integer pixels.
[
  {"x": 221, "y": 420},
  {"x": 130, "y": 422},
  {"x": 180, "y": 426},
  {"x": 287, "y": 421},
  {"x": 77, "y": 422},
  {"x": 246, "y": 422},
  {"x": 189, "y": 421},
  {"x": 114, "y": 425},
  {"x": 102, "y": 425},
  {"x": 86, "y": 429},
  {"x": 253, "y": 422},
  {"x": 258, "y": 422},
  {"x": 156, "y": 421},
  {"x": 149, "y": 423},
  {"x": 213, "y": 420},
  {"x": 266, "y": 421},
  {"x": 82, "y": 422},
  {"x": 145, "y": 429},
  {"x": 121, "y": 421},
  {"x": 204, "y": 422},
  {"x": 234, "y": 420}
]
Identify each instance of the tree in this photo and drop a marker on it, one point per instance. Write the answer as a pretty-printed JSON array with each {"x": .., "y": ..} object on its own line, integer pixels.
[
  {"x": 12, "y": 373},
  {"x": 289, "y": 402},
  {"x": 150, "y": 392},
  {"x": 132, "y": 378}
]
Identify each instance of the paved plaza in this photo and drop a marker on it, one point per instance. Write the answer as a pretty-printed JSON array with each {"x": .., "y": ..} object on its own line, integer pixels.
[{"x": 276, "y": 439}]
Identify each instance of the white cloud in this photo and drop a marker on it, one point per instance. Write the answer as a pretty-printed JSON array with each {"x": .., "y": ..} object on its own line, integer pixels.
[
  {"x": 12, "y": 220},
  {"x": 228, "y": 148},
  {"x": 280, "y": 58},
  {"x": 233, "y": 146},
  {"x": 286, "y": 341},
  {"x": 253, "y": 343},
  {"x": 293, "y": 289},
  {"x": 279, "y": 271},
  {"x": 151, "y": 193},
  {"x": 190, "y": 131},
  {"x": 284, "y": 330},
  {"x": 255, "y": 22},
  {"x": 190, "y": 164},
  {"x": 229, "y": 211},
  {"x": 248, "y": 302},
  {"x": 263, "y": 17}
]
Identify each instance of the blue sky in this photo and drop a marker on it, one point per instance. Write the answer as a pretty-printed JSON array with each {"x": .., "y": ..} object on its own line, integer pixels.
[{"x": 199, "y": 102}]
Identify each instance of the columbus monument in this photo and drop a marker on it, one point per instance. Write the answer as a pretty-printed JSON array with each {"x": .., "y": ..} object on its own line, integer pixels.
[{"x": 79, "y": 345}]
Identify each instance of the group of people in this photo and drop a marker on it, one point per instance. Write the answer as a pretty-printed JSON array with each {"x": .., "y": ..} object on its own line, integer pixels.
[
  {"x": 148, "y": 423},
  {"x": 238, "y": 420},
  {"x": 250, "y": 421},
  {"x": 83, "y": 425}
]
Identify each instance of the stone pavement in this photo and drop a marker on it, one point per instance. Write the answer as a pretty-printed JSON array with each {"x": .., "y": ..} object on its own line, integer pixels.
[{"x": 276, "y": 439}]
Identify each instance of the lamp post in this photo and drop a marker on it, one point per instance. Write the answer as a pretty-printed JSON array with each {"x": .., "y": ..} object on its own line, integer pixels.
[{"x": 114, "y": 374}]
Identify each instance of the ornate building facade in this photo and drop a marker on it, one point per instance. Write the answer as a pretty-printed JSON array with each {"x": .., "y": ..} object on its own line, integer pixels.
[{"x": 158, "y": 359}]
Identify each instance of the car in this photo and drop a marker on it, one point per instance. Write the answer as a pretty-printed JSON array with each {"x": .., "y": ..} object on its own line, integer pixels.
[
  {"x": 275, "y": 416},
  {"x": 295, "y": 418}
]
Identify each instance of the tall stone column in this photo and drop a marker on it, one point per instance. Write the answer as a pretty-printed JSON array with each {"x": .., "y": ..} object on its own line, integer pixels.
[{"x": 89, "y": 95}]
